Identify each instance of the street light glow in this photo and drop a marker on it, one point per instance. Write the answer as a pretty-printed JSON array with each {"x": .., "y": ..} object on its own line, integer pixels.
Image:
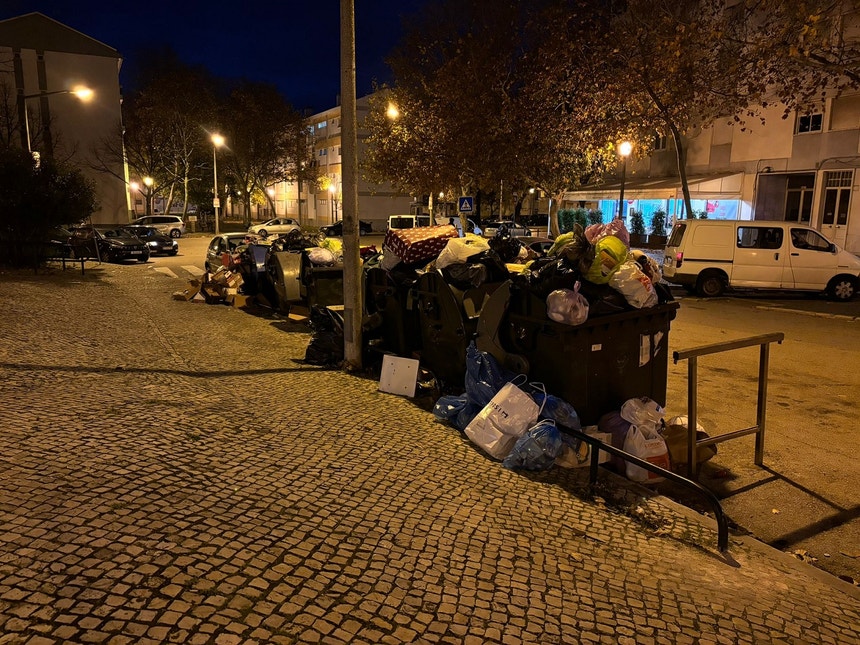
[
  {"x": 625, "y": 148},
  {"x": 217, "y": 140},
  {"x": 148, "y": 181},
  {"x": 392, "y": 112},
  {"x": 83, "y": 93}
]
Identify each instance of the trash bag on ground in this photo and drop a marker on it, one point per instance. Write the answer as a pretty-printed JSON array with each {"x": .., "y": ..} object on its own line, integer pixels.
[
  {"x": 567, "y": 306},
  {"x": 676, "y": 437},
  {"x": 557, "y": 409},
  {"x": 449, "y": 406},
  {"x": 484, "y": 376},
  {"x": 617, "y": 426},
  {"x": 650, "y": 447},
  {"x": 326, "y": 344},
  {"x": 642, "y": 411},
  {"x": 537, "y": 449}
]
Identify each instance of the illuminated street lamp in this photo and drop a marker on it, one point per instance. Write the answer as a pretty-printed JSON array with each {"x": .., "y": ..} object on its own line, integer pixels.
[
  {"x": 392, "y": 112},
  {"x": 217, "y": 142},
  {"x": 624, "y": 149},
  {"x": 332, "y": 189},
  {"x": 148, "y": 182},
  {"x": 85, "y": 94}
]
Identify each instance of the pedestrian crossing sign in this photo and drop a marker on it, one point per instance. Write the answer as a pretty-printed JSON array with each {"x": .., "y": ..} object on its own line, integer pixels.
[{"x": 465, "y": 204}]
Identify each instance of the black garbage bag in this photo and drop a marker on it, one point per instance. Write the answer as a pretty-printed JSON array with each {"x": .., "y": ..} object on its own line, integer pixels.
[
  {"x": 603, "y": 299},
  {"x": 575, "y": 248},
  {"x": 326, "y": 345},
  {"x": 551, "y": 273},
  {"x": 464, "y": 275},
  {"x": 507, "y": 248}
]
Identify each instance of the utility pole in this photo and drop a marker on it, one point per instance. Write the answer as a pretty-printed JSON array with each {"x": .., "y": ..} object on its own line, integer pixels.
[{"x": 352, "y": 296}]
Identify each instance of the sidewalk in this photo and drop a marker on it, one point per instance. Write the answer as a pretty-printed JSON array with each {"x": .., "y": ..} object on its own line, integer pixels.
[{"x": 172, "y": 472}]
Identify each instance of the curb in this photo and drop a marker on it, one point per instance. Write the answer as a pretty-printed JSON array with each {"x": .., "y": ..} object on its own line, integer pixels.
[{"x": 817, "y": 314}]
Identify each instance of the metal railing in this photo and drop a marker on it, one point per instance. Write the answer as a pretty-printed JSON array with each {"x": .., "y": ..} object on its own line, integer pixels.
[
  {"x": 691, "y": 356},
  {"x": 597, "y": 445}
]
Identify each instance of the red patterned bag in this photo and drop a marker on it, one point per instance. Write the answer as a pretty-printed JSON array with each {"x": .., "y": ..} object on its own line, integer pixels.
[{"x": 420, "y": 243}]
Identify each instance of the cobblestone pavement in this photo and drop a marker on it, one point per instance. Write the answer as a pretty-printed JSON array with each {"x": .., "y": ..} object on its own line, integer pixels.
[{"x": 173, "y": 472}]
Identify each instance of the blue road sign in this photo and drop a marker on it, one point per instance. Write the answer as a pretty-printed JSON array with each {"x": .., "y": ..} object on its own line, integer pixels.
[{"x": 465, "y": 204}]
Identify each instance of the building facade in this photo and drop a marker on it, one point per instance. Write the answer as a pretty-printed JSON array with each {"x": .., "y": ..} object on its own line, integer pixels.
[
  {"x": 41, "y": 63},
  {"x": 322, "y": 204},
  {"x": 805, "y": 168}
]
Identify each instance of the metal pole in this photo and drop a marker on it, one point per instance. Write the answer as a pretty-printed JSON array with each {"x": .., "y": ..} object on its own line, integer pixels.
[
  {"x": 352, "y": 291},
  {"x": 621, "y": 196},
  {"x": 692, "y": 415},
  {"x": 216, "y": 201},
  {"x": 761, "y": 412}
]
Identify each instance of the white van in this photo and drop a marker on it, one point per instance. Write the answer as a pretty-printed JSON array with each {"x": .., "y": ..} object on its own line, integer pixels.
[
  {"x": 408, "y": 221},
  {"x": 709, "y": 256}
]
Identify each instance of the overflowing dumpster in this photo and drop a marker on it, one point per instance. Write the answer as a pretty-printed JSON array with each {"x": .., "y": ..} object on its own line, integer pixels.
[{"x": 596, "y": 365}]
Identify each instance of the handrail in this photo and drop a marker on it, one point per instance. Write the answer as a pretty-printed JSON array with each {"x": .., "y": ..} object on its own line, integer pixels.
[
  {"x": 597, "y": 445},
  {"x": 691, "y": 356}
]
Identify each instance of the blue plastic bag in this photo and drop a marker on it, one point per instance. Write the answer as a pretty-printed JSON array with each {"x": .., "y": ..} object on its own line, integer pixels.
[
  {"x": 558, "y": 410},
  {"x": 448, "y": 407},
  {"x": 484, "y": 376},
  {"x": 537, "y": 449}
]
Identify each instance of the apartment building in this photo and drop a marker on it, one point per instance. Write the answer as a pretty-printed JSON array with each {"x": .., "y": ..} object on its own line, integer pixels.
[
  {"x": 802, "y": 169},
  {"x": 42, "y": 64}
]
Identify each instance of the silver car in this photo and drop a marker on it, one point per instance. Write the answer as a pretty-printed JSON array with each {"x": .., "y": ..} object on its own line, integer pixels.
[
  {"x": 172, "y": 225},
  {"x": 276, "y": 226}
]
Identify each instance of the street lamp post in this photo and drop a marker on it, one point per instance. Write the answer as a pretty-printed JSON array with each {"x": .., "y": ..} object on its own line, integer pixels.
[
  {"x": 217, "y": 142},
  {"x": 624, "y": 149},
  {"x": 148, "y": 182},
  {"x": 83, "y": 93}
]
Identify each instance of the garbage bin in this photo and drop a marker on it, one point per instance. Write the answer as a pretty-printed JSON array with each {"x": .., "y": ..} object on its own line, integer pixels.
[
  {"x": 595, "y": 366},
  {"x": 320, "y": 285},
  {"x": 448, "y": 319},
  {"x": 394, "y": 298}
]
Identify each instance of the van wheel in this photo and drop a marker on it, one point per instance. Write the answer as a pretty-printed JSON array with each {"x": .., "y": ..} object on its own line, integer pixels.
[
  {"x": 711, "y": 284},
  {"x": 842, "y": 287},
  {"x": 175, "y": 233}
]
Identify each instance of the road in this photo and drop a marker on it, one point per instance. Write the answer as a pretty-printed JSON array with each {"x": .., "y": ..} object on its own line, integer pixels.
[{"x": 805, "y": 499}]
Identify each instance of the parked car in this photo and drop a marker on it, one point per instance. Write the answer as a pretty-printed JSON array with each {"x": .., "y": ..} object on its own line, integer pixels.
[
  {"x": 471, "y": 227},
  {"x": 107, "y": 243},
  {"x": 710, "y": 256},
  {"x": 278, "y": 226},
  {"x": 224, "y": 243},
  {"x": 157, "y": 242},
  {"x": 56, "y": 243},
  {"x": 514, "y": 229},
  {"x": 172, "y": 225},
  {"x": 539, "y": 245},
  {"x": 336, "y": 229},
  {"x": 408, "y": 221}
]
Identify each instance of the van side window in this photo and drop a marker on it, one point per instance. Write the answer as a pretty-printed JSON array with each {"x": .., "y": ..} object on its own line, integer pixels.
[
  {"x": 759, "y": 237},
  {"x": 802, "y": 238}
]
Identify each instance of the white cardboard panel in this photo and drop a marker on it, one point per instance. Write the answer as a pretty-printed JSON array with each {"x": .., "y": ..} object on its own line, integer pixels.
[{"x": 399, "y": 376}]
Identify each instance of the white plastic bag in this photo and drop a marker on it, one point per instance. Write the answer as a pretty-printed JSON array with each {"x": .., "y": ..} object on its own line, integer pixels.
[
  {"x": 634, "y": 285},
  {"x": 459, "y": 249},
  {"x": 652, "y": 449},
  {"x": 320, "y": 256},
  {"x": 508, "y": 416},
  {"x": 567, "y": 306},
  {"x": 642, "y": 410}
]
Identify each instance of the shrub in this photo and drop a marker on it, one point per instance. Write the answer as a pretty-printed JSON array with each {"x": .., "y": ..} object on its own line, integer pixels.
[
  {"x": 595, "y": 217},
  {"x": 658, "y": 223},
  {"x": 637, "y": 223}
]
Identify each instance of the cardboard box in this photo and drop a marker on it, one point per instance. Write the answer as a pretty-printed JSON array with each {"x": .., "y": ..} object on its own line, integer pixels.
[
  {"x": 189, "y": 292},
  {"x": 241, "y": 300},
  {"x": 235, "y": 280},
  {"x": 212, "y": 294}
]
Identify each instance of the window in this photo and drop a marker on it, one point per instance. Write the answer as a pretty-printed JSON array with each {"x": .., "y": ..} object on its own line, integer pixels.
[
  {"x": 320, "y": 125},
  {"x": 809, "y": 122},
  {"x": 798, "y": 198},
  {"x": 802, "y": 238},
  {"x": 837, "y": 194},
  {"x": 323, "y": 152},
  {"x": 759, "y": 237},
  {"x": 661, "y": 142}
]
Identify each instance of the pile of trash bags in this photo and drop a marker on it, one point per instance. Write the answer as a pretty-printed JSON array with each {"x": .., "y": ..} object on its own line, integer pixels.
[{"x": 525, "y": 427}]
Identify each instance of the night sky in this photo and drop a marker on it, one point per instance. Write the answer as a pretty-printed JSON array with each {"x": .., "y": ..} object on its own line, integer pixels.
[{"x": 292, "y": 44}]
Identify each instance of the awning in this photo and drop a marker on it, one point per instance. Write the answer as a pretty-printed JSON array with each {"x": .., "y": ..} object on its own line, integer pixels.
[{"x": 726, "y": 185}]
